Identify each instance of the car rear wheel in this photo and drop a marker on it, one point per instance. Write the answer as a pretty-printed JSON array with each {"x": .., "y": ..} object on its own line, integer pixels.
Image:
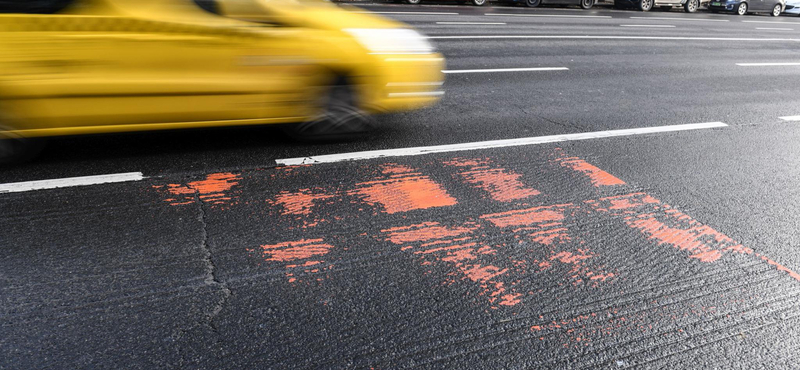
[
  {"x": 413, "y": 2},
  {"x": 479, "y": 2},
  {"x": 691, "y": 6},
  {"x": 16, "y": 149},
  {"x": 645, "y": 5},
  {"x": 776, "y": 10},
  {"x": 533, "y": 3},
  {"x": 741, "y": 9},
  {"x": 338, "y": 117},
  {"x": 587, "y": 4}
]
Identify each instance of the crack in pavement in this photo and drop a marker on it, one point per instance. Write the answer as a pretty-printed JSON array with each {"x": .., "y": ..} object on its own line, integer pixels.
[{"x": 211, "y": 277}]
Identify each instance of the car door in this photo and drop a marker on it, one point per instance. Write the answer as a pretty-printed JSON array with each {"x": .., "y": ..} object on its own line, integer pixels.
[{"x": 149, "y": 66}]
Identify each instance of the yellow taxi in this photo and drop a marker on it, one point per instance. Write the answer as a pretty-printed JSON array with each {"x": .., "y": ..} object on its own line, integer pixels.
[{"x": 70, "y": 67}]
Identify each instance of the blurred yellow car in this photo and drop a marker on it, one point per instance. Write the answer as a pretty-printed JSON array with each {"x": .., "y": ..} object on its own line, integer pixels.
[{"x": 72, "y": 67}]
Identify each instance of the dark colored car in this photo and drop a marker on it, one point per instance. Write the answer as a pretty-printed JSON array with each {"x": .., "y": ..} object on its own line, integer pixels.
[
  {"x": 690, "y": 6},
  {"x": 742, "y": 7},
  {"x": 585, "y": 4}
]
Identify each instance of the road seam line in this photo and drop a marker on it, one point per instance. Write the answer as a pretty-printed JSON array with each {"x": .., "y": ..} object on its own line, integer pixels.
[
  {"x": 682, "y": 19},
  {"x": 480, "y": 145},
  {"x": 780, "y": 64},
  {"x": 547, "y": 15},
  {"x": 473, "y": 23},
  {"x": 18, "y": 187},
  {"x": 590, "y": 37},
  {"x": 648, "y": 25},
  {"x": 409, "y": 13},
  {"x": 456, "y": 71}
]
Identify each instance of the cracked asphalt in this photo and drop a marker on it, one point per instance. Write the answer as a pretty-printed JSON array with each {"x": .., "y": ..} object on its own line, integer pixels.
[{"x": 660, "y": 250}]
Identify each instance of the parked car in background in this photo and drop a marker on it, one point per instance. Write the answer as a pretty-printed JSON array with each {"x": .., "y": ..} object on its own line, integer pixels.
[
  {"x": 474, "y": 2},
  {"x": 690, "y": 6},
  {"x": 585, "y": 4},
  {"x": 742, "y": 7},
  {"x": 792, "y": 7}
]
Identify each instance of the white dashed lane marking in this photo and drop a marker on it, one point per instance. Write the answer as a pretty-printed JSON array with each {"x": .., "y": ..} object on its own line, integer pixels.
[
  {"x": 480, "y": 145},
  {"x": 17, "y": 187}
]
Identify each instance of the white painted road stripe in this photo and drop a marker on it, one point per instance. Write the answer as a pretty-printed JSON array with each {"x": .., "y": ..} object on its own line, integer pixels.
[
  {"x": 648, "y": 25},
  {"x": 776, "y": 29},
  {"x": 473, "y": 23},
  {"x": 767, "y": 64},
  {"x": 331, "y": 158},
  {"x": 790, "y": 118},
  {"x": 588, "y": 37},
  {"x": 507, "y": 70},
  {"x": 17, "y": 187},
  {"x": 682, "y": 19},
  {"x": 783, "y": 23},
  {"x": 409, "y": 13},
  {"x": 548, "y": 15}
]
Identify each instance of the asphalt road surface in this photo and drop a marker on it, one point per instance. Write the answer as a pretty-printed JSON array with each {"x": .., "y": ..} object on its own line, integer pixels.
[{"x": 669, "y": 244}]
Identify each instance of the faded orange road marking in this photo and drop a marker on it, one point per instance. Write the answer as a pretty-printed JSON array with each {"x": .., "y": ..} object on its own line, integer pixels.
[
  {"x": 597, "y": 176},
  {"x": 666, "y": 225},
  {"x": 459, "y": 246},
  {"x": 212, "y": 190},
  {"x": 403, "y": 189},
  {"x": 501, "y": 184},
  {"x": 295, "y": 251},
  {"x": 299, "y": 202},
  {"x": 529, "y": 216}
]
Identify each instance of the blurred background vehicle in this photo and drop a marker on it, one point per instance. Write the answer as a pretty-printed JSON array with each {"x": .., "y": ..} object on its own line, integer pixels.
[
  {"x": 585, "y": 4},
  {"x": 102, "y": 66},
  {"x": 690, "y": 6},
  {"x": 792, "y": 7},
  {"x": 473, "y": 2},
  {"x": 742, "y": 7}
]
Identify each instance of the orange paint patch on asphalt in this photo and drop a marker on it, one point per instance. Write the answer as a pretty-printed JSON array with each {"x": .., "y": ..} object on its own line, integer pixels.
[
  {"x": 299, "y": 202},
  {"x": 296, "y": 250},
  {"x": 213, "y": 189},
  {"x": 402, "y": 190},
  {"x": 501, "y": 184},
  {"x": 597, "y": 176},
  {"x": 668, "y": 226},
  {"x": 528, "y": 216},
  {"x": 425, "y": 231},
  {"x": 300, "y": 253},
  {"x": 459, "y": 247}
]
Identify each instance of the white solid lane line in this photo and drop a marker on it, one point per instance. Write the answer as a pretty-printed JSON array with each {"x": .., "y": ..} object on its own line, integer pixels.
[
  {"x": 332, "y": 158},
  {"x": 767, "y": 64},
  {"x": 790, "y": 118},
  {"x": 473, "y": 23},
  {"x": 648, "y": 25},
  {"x": 775, "y": 29},
  {"x": 17, "y": 187},
  {"x": 506, "y": 70},
  {"x": 548, "y": 15},
  {"x": 588, "y": 37},
  {"x": 682, "y": 19}
]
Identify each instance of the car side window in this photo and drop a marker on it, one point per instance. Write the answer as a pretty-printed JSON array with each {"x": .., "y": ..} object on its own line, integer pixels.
[
  {"x": 34, "y": 6},
  {"x": 208, "y": 5}
]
